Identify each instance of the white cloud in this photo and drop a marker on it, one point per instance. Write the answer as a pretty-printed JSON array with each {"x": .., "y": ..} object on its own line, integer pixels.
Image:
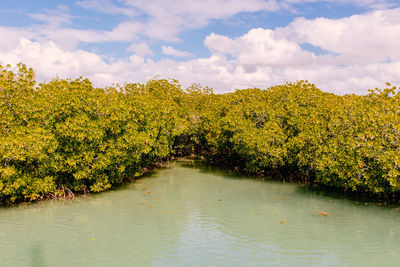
[
  {"x": 50, "y": 60},
  {"x": 68, "y": 38},
  {"x": 260, "y": 47},
  {"x": 141, "y": 49},
  {"x": 359, "y": 39},
  {"x": 54, "y": 18},
  {"x": 372, "y": 4},
  {"x": 53, "y": 29},
  {"x": 125, "y": 31},
  {"x": 160, "y": 20},
  {"x": 168, "y": 50},
  {"x": 12, "y": 40},
  {"x": 107, "y": 7},
  {"x": 166, "y": 19},
  {"x": 260, "y": 58}
]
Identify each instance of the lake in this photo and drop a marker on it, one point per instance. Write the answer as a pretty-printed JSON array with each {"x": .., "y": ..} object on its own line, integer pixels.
[{"x": 190, "y": 215}]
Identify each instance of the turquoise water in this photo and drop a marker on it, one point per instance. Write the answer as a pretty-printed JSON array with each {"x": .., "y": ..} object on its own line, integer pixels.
[{"x": 190, "y": 216}]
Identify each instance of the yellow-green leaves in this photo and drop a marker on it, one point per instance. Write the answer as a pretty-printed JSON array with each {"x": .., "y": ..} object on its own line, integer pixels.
[{"x": 66, "y": 136}]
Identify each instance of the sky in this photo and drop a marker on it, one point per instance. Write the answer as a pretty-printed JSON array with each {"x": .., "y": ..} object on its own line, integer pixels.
[{"x": 342, "y": 46}]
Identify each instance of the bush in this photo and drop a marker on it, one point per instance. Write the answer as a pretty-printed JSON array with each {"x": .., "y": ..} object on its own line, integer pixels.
[{"x": 66, "y": 137}]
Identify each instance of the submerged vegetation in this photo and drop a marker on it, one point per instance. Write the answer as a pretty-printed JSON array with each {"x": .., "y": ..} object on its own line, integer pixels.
[{"x": 66, "y": 137}]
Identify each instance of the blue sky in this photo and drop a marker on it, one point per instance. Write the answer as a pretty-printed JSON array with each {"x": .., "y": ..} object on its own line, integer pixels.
[{"x": 342, "y": 46}]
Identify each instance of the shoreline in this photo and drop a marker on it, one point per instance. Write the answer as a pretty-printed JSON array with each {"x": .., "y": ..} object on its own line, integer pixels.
[{"x": 199, "y": 161}]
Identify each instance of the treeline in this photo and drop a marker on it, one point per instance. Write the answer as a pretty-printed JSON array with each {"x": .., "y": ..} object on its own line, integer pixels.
[{"x": 66, "y": 136}]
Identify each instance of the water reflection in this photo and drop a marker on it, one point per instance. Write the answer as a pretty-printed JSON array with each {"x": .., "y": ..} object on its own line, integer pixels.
[{"x": 200, "y": 217}]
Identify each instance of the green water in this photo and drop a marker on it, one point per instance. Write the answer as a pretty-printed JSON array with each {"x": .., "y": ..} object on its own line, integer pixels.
[{"x": 189, "y": 216}]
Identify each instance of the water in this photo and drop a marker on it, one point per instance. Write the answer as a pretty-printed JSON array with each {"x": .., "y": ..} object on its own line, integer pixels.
[{"x": 189, "y": 216}]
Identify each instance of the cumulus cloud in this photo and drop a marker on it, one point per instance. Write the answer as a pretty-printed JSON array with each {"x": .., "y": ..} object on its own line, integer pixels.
[
  {"x": 168, "y": 50},
  {"x": 260, "y": 47},
  {"x": 140, "y": 49},
  {"x": 362, "y": 54},
  {"x": 166, "y": 19},
  {"x": 159, "y": 20},
  {"x": 13, "y": 38},
  {"x": 50, "y": 60},
  {"x": 357, "y": 39}
]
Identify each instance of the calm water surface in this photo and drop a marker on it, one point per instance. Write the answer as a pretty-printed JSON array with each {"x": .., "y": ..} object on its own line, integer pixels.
[{"x": 191, "y": 216}]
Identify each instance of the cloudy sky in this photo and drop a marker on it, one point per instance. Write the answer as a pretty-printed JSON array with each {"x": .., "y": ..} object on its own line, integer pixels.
[{"x": 343, "y": 46}]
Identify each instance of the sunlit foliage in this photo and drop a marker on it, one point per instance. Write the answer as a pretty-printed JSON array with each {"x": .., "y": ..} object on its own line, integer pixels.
[{"x": 66, "y": 136}]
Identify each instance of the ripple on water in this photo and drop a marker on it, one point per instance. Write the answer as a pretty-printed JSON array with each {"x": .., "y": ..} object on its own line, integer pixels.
[{"x": 198, "y": 217}]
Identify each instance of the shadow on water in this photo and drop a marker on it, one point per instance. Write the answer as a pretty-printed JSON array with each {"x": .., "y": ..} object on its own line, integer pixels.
[
  {"x": 311, "y": 190},
  {"x": 352, "y": 196},
  {"x": 149, "y": 174},
  {"x": 205, "y": 167},
  {"x": 36, "y": 256}
]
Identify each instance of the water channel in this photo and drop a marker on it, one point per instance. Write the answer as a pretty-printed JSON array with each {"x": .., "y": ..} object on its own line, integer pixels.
[{"x": 188, "y": 215}]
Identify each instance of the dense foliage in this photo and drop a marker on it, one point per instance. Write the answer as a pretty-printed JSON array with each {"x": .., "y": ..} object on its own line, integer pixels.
[
  {"x": 65, "y": 136},
  {"x": 349, "y": 142}
]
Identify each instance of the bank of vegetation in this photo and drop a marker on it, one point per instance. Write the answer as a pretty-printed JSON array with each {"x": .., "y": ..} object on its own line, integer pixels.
[{"x": 66, "y": 136}]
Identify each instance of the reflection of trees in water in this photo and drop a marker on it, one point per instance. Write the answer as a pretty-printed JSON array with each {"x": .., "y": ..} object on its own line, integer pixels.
[
  {"x": 192, "y": 212},
  {"x": 285, "y": 219}
]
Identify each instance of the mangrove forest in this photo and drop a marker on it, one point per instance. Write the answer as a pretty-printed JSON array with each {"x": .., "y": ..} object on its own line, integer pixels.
[{"x": 67, "y": 137}]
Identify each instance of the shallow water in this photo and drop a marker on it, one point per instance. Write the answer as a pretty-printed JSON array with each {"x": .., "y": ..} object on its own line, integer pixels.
[{"x": 191, "y": 216}]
